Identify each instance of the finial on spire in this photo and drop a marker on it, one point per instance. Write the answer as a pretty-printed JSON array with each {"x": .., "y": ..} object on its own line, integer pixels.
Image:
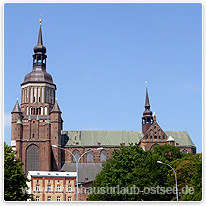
[
  {"x": 40, "y": 19},
  {"x": 17, "y": 99},
  {"x": 146, "y": 83}
]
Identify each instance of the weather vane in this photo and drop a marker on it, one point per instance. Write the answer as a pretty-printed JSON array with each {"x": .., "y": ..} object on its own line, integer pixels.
[
  {"x": 40, "y": 19},
  {"x": 146, "y": 83}
]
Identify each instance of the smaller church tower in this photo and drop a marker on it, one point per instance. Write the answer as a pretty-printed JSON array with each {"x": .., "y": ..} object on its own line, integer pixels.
[
  {"x": 147, "y": 119},
  {"x": 56, "y": 127},
  {"x": 16, "y": 122}
]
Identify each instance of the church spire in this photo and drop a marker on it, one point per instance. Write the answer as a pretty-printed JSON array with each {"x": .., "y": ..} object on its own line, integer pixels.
[
  {"x": 40, "y": 41},
  {"x": 147, "y": 105},
  {"x": 147, "y": 119},
  {"x": 40, "y": 48}
]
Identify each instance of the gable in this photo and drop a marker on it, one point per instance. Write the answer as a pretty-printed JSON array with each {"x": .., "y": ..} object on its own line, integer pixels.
[{"x": 155, "y": 132}]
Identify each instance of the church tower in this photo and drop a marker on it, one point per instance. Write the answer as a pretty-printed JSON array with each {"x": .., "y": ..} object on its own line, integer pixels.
[
  {"x": 147, "y": 119},
  {"x": 32, "y": 128}
]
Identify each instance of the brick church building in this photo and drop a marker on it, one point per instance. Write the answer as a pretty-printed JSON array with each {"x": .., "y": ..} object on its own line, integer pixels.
[{"x": 37, "y": 125}]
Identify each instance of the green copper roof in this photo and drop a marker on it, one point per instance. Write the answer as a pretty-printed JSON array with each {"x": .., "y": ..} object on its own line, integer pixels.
[
  {"x": 170, "y": 139},
  {"x": 19, "y": 121},
  {"x": 181, "y": 138},
  {"x": 94, "y": 138},
  {"x": 114, "y": 138}
]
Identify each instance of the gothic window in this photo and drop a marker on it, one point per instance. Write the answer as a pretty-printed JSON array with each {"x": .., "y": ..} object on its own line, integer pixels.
[
  {"x": 27, "y": 110},
  {"x": 41, "y": 111},
  {"x": 76, "y": 153},
  {"x": 37, "y": 109},
  {"x": 32, "y": 158},
  {"x": 103, "y": 155},
  {"x": 32, "y": 111},
  {"x": 45, "y": 110},
  {"x": 90, "y": 156}
]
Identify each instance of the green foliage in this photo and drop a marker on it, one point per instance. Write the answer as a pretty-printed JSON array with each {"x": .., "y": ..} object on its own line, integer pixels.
[
  {"x": 189, "y": 172},
  {"x": 169, "y": 152},
  {"x": 14, "y": 177},
  {"x": 132, "y": 167}
]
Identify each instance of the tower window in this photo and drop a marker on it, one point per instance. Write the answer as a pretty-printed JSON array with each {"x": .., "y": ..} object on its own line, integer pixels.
[
  {"x": 33, "y": 135},
  {"x": 33, "y": 99},
  {"x": 39, "y": 99}
]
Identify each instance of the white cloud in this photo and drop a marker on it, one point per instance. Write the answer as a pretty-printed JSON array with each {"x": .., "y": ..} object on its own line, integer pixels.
[{"x": 7, "y": 119}]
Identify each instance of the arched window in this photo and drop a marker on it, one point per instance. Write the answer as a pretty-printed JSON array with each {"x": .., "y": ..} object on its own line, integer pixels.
[
  {"x": 32, "y": 158},
  {"x": 41, "y": 111},
  {"x": 45, "y": 110},
  {"x": 32, "y": 111},
  {"x": 90, "y": 156},
  {"x": 76, "y": 153},
  {"x": 103, "y": 155}
]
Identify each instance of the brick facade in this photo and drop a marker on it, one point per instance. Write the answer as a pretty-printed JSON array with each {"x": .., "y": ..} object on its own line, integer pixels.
[{"x": 37, "y": 125}]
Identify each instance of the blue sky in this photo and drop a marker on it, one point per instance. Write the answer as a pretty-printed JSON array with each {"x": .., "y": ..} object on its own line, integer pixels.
[{"x": 100, "y": 56}]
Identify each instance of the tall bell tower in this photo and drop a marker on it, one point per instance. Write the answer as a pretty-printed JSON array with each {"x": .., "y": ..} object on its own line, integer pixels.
[
  {"x": 32, "y": 130},
  {"x": 147, "y": 119}
]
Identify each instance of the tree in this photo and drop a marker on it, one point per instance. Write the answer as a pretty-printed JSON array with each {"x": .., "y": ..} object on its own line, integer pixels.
[
  {"x": 132, "y": 167},
  {"x": 189, "y": 175},
  {"x": 169, "y": 152},
  {"x": 14, "y": 178}
]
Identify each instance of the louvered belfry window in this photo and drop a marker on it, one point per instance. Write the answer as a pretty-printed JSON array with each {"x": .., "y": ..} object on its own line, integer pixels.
[{"x": 32, "y": 158}]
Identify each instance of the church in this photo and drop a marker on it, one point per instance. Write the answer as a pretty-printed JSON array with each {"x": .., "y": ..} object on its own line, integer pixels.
[{"x": 37, "y": 125}]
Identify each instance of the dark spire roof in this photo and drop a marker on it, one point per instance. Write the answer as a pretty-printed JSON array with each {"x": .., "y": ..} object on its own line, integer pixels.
[
  {"x": 56, "y": 108},
  {"x": 16, "y": 108},
  {"x": 40, "y": 41},
  {"x": 39, "y": 73},
  {"x": 40, "y": 48},
  {"x": 147, "y": 105}
]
